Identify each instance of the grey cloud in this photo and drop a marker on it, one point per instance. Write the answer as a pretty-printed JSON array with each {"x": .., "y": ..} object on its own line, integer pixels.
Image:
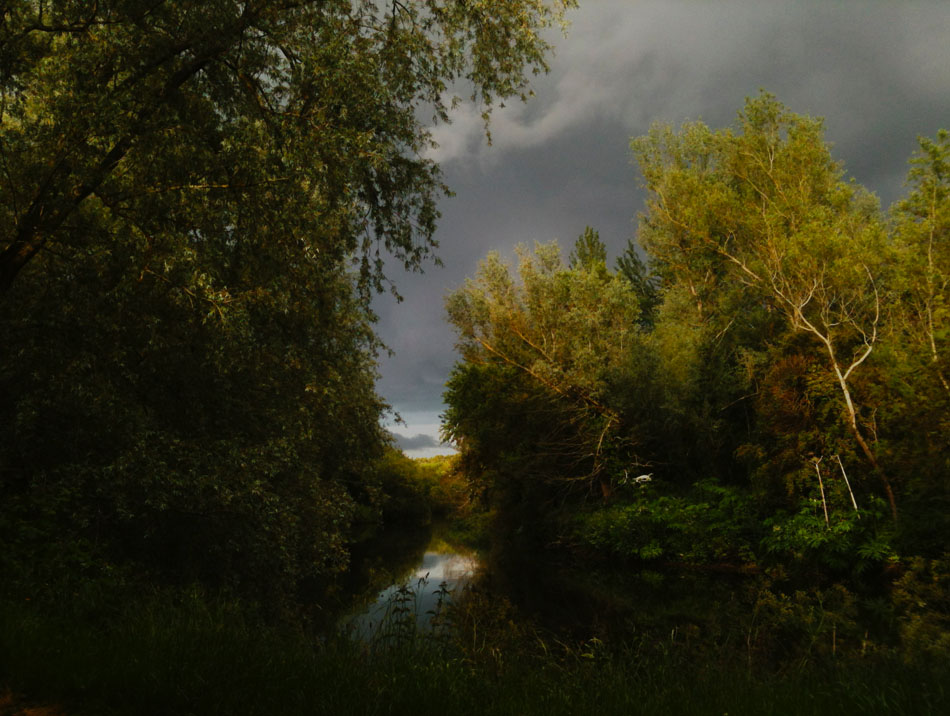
[
  {"x": 857, "y": 63},
  {"x": 876, "y": 71},
  {"x": 417, "y": 442}
]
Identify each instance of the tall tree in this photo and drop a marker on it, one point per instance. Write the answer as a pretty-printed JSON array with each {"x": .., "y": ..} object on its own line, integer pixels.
[
  {"x": 566, "y": 331},
  {"x": 196, "y": 200},
  {"x": 922, "y": 229},
  {"x": 589, "y": 251},
  {"x": 645, "y": 284},
  {"x": 763, "y": 216},
  {"x": 169, "y": 117}
]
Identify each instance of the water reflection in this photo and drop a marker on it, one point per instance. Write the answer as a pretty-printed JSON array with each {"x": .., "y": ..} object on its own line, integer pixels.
[
  {"x": 442, "y": 570},
  {"x": 450, "y": 567}
]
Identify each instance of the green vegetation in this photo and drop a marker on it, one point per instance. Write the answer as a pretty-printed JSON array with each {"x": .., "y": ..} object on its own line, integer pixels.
[
  {"x": 766, "y": 394},
  {"x": 197, "y": 202},
  {"x": 191, "y": 657},
  {"x": 417, "y": 490}
]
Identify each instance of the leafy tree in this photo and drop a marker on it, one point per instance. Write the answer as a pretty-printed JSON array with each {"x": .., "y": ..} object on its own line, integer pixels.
[
  {"x": 915, "y": 415},
  {"x": 764, "y": 219},
  {"x": 196, "y": 201},
  {"x": 922, "y": 230},
  {"x": 564, "y": 333},
  {"x": 229, "y": 448},
  {"x": 787, "y": 389},
  {"x": 645, "y": 284},
  {"x": 228, "y": 124},
  {"x": 589, "y": 251}
]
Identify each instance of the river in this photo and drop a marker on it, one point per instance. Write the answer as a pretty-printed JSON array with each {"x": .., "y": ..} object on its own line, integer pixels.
[
  {"x": 406, "y": 575},
  {"x": 401, "y": 578}
]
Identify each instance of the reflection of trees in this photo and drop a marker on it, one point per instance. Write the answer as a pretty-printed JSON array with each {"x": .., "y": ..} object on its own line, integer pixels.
[
  {"x": 450, "y": 567},
  {"x": 392, "y": 557},
  {"x": 388, "y": 557}
]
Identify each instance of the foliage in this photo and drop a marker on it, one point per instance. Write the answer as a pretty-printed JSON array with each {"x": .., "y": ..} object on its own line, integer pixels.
[
  {"x": 196, "y": 204},
  {"x": 922, "y": 232},
  {"x": 645, "y": 284},
  {"x": 852, "y": 543},
  {"x": 222, "y": 126},
  {"x": 710, "y": 525},
  {"x": 589, "y": 251},
  {"x": 226, "y": 450},
  {"x": 418, "y": 489},
  {"x": 199, "y": 656},
  {"x": 775, "y": 368},
  {"x": 556, "y": 337},
  {"x": 922, "y": 596},
  {"x": 763, "y": 218}
]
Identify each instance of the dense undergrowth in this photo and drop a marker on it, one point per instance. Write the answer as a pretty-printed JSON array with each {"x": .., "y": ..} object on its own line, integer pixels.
[{"x": 195, "y": 655}]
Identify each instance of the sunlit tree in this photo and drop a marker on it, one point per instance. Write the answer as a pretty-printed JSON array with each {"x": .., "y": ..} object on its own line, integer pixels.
[{"x": 762, "y": 218}]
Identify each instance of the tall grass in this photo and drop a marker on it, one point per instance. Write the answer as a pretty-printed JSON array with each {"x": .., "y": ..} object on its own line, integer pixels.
[{"x": 196, "y": 656}]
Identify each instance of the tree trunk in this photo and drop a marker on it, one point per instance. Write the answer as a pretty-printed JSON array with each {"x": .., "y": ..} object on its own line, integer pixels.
[{"x": 859, "y": 438}]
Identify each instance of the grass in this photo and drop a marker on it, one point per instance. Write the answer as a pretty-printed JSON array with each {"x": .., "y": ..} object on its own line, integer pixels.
[{"x": 197, "y": 657}]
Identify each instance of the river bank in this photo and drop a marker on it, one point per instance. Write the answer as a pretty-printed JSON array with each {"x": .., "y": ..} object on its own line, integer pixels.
[
  {"x": 203, "y": 658},
  {"x": 515, "y": 633}
]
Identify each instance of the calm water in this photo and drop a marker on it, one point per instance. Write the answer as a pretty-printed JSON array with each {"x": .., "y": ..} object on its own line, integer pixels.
[
  {"x": 401, "y": 577},
  {"x": 419, "y": 581},
  {"x": 403, "y": 573}
]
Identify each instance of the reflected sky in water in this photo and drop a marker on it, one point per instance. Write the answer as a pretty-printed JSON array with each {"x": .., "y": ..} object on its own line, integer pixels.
[
  {"x": 438, "y": 568},
  {"x": 449, "y": 567}
]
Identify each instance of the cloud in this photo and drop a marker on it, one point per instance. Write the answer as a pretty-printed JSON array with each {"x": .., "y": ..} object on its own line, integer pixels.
[
  {"x": 417, "y": 441},
  {"x": 864, "y": 66},
  {"x": 877, "y": 72}
]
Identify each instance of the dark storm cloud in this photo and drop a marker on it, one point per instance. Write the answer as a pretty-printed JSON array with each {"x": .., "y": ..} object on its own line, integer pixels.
[{"x": 876, "y": 71}]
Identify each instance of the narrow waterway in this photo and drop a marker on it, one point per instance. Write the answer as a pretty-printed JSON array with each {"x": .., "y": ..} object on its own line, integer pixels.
[
  {"x": 410, "y": 581},
  {"x": 401, "y": 580},
  {"x": 404, "y": 577}
]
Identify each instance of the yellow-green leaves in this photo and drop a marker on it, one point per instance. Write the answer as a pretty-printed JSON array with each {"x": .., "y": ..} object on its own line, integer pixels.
[
  {"x": 760, "y": 217},
  {"x": 567, "y": 328},
  {"x": 922, "y": 232}
]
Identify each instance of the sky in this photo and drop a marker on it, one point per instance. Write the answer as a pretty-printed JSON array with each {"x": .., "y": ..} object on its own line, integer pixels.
[{"x": 877, "y": 71}]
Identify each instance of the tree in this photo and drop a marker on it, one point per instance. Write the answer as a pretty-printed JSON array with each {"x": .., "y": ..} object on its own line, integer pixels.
[
  {"x": 645, "y": 284},
  {"x": 231, "y": 123},
  {"x": 763, "y": 217},
  {"x": 196, "y": 201},
  {"x": 922, "y": 230},
  {"x": 566, "y": 332},
  {"x": 589, "y": 251},
  {"x": 143, "y": 426}
]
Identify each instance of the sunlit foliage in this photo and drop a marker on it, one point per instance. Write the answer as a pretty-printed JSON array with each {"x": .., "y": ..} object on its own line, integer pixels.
[{"x": 788, "y": 341}]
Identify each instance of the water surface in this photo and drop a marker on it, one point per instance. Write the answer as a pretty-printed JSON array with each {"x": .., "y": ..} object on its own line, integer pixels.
[{"x": 418, "y": 593}]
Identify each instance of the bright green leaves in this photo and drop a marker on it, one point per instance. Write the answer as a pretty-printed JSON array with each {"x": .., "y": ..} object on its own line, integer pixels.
[
  {"x": 762, "y": 218},
  {"x": 777, "y": 325},
  {"x": 764, "y": 211},
  {"x": 566, "y": 328}
]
